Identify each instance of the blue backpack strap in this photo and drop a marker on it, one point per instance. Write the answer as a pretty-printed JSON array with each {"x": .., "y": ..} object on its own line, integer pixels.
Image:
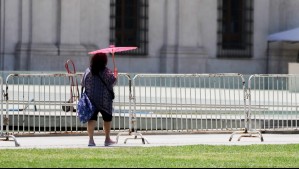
[{"x": 83, "y": 81}]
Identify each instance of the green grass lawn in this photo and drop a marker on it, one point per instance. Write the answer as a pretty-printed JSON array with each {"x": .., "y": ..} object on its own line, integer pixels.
[{"x": 256, "y": 156}]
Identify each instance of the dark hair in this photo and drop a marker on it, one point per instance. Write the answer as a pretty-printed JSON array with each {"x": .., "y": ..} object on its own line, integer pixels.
[{"x": 98, "y": 63}]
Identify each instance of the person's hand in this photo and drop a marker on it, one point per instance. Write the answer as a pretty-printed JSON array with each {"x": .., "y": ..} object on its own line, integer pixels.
[{"x": 115, "y": 72}]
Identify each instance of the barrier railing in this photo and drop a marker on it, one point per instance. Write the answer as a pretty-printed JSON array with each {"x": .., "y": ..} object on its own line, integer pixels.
[
  {"x": 47, "y": 103},
  {"x": 40, "y": 103},
  {"x": 274, "y": 102},
  {"x": 199, "y": 102}
]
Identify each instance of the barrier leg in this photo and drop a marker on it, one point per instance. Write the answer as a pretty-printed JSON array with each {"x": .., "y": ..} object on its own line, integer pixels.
[
  {"x": 133, "y": 132},
  {"x": 247, "y": 134},
  {"x": 136, "y": 134},
  {"x": 7, "y": 138},
  {"x": 252, "y": 134}
]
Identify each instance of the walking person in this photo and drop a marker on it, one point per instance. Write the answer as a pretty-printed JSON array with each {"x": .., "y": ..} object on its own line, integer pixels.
[{"x": 98, "y": 81}]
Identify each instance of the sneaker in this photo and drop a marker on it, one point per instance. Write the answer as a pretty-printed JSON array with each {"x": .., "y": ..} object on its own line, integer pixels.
[
  {"x": 92, "y": 145},
  {"x": 109, "y": 143}
]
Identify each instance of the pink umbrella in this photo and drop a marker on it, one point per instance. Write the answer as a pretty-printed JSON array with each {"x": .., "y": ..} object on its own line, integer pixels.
[{"x": 112, "y": 49}]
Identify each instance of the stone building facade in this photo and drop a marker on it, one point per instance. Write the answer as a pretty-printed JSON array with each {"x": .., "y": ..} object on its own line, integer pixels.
[{"x": 173, "y": 36}]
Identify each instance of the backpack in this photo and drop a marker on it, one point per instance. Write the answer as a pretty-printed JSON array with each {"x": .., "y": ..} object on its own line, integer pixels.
[{"x": 85, "y": 107}]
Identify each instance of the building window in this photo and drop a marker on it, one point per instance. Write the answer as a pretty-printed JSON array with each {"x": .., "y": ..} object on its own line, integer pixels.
[
  {"x": 235, "y": 28},
  {"x": 129, "y": 25}
]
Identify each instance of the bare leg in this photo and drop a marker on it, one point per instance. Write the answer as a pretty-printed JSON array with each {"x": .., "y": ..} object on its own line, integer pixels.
[
  {"x": 90, "y": 129},
  {"x": 107, "y": 129}
]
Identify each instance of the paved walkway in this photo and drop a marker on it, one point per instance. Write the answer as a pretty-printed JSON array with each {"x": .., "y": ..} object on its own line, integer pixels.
[{"x": 155, "y": 140}]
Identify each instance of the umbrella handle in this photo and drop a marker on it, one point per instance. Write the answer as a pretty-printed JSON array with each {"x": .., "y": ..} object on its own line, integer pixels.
[
  {"x": 115, "y": 68},
  {"x": 113, "y": 60}
]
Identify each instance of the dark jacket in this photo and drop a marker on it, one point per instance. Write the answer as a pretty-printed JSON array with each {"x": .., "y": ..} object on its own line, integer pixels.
[{"x": 97, "y": 91}]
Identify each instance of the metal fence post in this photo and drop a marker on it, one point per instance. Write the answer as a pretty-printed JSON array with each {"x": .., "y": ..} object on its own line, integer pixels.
[
  {"x": 132, "y": 116},
  {"x": 248, "y": 132}
]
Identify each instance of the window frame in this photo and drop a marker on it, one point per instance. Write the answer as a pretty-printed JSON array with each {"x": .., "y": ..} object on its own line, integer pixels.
[
  {"x": 245, "y": 49},
  {"x": 141, "y": 21}
]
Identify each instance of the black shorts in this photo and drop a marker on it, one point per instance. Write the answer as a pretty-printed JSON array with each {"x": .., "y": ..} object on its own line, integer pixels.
[{"x": 106, "y": 117}]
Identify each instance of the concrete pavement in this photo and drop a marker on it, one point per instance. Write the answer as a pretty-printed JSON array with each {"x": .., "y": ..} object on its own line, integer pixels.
[{"x": 154, "y": 140}]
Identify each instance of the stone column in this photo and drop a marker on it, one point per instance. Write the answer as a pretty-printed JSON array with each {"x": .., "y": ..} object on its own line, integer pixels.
[
  {"x": 69, "y": 43},
  {"x": 42, "y": 21},
  {"x": 189, "y": 19},
  {"x": 192, "y": 55},
  {"x": 183, "y": 49},
  {"x": 37, "y": 32},
  {"x": 170, "y": 36},
  {"x": 23, "y": 47},
  {"x": 43, "y": 33}
]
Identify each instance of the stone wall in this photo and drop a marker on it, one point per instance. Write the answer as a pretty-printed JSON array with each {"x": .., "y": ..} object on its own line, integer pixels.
[{"x": 40, "y": 35}]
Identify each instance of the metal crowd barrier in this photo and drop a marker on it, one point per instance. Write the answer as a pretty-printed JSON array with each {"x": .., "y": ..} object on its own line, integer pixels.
[
  {"x": 274, "y": 102},
  {"x": 42, "y": 103},
  {"x": 181, "y": 102},
  {"x": 47, "y": 103}
]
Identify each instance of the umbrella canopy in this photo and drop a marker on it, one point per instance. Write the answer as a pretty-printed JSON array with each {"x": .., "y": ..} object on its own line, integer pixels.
[{"x": 112, "y": 49}]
